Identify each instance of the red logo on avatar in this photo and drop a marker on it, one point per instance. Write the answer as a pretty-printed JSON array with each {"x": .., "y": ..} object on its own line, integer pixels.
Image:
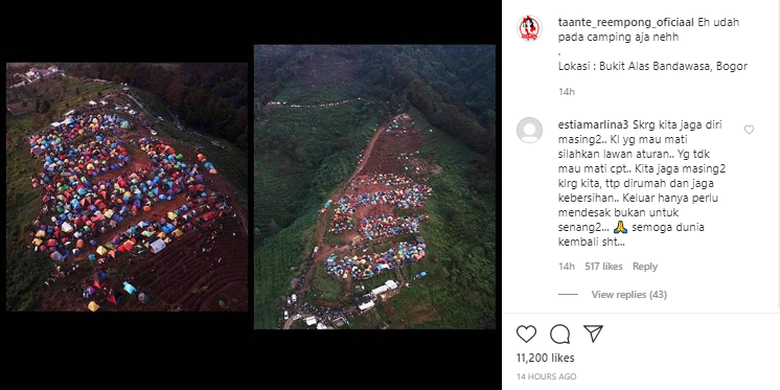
[{"x": 530, "y": 28}]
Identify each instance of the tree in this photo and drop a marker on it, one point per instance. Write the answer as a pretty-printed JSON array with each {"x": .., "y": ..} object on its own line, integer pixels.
[{"x": 78, "y": 91}]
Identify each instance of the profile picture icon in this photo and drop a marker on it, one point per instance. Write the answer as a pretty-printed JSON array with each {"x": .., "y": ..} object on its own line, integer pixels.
[
  {"x": 529, "y": 28},
  {"x": 529, "y": 130}
]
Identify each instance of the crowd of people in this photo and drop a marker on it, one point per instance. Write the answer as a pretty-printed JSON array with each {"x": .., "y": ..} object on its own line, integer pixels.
[
  {"x": 386, "y": 225},
  {"x": 369, "y": 265},
  {"x": 403, "y": 198}
]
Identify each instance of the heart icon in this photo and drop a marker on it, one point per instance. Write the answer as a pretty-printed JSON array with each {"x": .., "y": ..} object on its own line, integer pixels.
[
  {"x": 526, "y": 333},
  {"x": 749, "y": 129}
]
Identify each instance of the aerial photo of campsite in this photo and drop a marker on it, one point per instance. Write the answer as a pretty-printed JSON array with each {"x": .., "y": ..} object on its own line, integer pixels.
[
  {"x": 374, "y": 187},
  {"x": 126, "y": 187}
]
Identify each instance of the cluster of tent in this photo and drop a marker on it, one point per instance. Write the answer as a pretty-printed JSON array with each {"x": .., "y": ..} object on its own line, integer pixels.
[
  {"x": 397, "y": 121},
  {"x": 272, "y": 103},
  {"x": 61, "y": 157},
  {"x": 206, "y": 164},
  {"x": 386, "y": 225},
  {"x": 84, "y": 210},
  {"x": 325, "y": 206},
  {"x": 153, "y": 234},
  {"x": 403, "y": 198},
  {"x": 98, "y": 279},
  {"x": 388, "y": 179},
  {"x": 406, "y": 158},
  {"x": 367, "y": 266}
]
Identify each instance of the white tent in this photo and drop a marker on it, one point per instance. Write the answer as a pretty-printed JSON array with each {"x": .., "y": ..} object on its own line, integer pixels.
[
  {"x": 158, "y": 245},
  {"x": 66, "y": 227},
  {"x": 379, "y": 290}
]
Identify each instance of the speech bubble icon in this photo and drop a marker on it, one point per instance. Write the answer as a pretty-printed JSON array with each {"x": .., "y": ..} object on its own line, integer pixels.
[{"x": 560, "y": 334}]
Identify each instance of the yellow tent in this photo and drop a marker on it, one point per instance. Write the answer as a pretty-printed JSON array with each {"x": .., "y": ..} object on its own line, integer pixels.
[
  {"x": 102, "y": 251},
  {"x": 177, "y": 233},
  {"x": 37, "y": 241},
  {"x": 108, "y": 213},
  {"x": 40, "y": 234},
  {"x": 93, "y": 306},
  {"x": 172, "y": 215}
]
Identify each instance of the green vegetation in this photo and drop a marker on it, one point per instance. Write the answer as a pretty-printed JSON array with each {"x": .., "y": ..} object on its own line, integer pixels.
[
  {"x": 273, "y": 261},
  {"x": 302, "y": 155},
  {"x": 25, "y": 270},
  {"x": 325, "y": 287},
  {"x": 460, "y": 284},
  {"x": 211, "y": 98}
]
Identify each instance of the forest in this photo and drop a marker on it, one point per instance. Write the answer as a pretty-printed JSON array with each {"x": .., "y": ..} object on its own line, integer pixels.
[
  {"x": 211, "y": 98},
  {"x": 453, "y": 86}
]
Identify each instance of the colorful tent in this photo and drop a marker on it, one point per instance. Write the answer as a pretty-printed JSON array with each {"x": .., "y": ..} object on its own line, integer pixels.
[
  {"x": 129, "y": 288},
  {"x": 157, "y": 246},
  {"x": 144, "y": 298},
  {"x": 57, "y": 256},
  {"x": 100, "y": 276}
]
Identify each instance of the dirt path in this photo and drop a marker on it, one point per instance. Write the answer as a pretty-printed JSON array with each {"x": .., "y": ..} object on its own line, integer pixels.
[{"x": 322, "y": 224}]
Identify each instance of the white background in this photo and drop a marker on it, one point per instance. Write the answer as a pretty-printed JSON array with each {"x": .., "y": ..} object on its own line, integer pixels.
[{"x": 732, "y": 267}]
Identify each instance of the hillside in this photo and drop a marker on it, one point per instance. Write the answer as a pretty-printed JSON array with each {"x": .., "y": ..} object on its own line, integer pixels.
[
  {"x": 35, "y": 282},
  {"x": 316, "y": 109}
]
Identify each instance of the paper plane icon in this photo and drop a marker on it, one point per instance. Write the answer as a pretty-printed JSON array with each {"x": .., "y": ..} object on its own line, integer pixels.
[{"x": 594, "y": 331}]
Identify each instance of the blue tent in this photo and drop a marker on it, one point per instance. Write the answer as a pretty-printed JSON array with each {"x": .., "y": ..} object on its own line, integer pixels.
[{"x": 129, "y": 288}]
